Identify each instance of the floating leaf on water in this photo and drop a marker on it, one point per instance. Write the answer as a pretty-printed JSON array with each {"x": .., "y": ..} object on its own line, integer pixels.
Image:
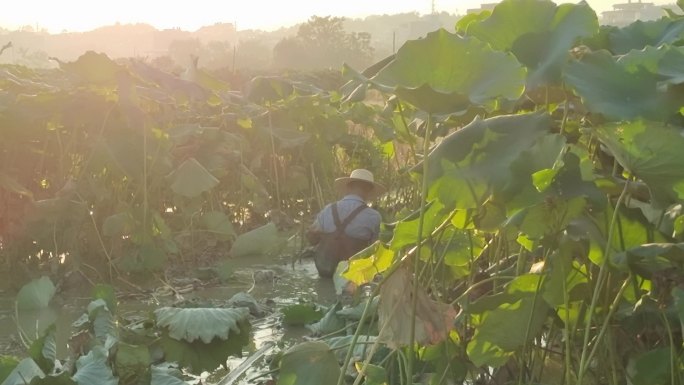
[
  {"x": 198, "y": 356},
  {"x": 205, "y": 324},
  {"x": 309, "y": 363},
  {"x": 301, "y": 314},
  {"x": 166, "y": 374},
  {"x": 36, "y": 294}
]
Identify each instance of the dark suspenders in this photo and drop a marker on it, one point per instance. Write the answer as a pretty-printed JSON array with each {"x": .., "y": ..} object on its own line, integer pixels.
[{"x": 340, "y": 226}]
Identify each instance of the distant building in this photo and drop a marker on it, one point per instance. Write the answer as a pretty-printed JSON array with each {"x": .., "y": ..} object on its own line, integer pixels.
[
  {"x": 626, "y": 13},
  {"x": 483, "y": 7}
]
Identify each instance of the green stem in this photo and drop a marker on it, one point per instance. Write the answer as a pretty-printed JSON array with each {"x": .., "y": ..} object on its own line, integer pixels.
[
  {"x": 599, "y": 286},
  {"x": 416, "y": 261}
]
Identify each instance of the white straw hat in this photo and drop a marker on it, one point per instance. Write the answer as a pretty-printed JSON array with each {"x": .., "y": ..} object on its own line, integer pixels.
[{"x": 362, "y": 175}]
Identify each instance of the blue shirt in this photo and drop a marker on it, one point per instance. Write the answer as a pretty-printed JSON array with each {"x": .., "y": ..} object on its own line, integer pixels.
[{"x": 366, "y": 225}]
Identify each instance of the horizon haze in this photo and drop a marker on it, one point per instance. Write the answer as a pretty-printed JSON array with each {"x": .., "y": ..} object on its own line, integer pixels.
[{"x": 68, "y": 15}]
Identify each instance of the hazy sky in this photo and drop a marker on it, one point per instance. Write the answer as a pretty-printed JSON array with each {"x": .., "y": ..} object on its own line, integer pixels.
[{"x": 82, "y": 15}]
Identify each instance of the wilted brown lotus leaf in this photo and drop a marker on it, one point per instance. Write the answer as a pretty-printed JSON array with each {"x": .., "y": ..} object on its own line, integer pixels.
[{"x": 434, "y": 320}]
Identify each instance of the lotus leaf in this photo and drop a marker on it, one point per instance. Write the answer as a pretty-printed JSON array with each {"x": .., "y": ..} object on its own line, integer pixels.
[
  {"x": 308, "y": 363},
  {"x": 36, "y": 294},
  {"x": 301, "y": 314},
  {"x": 93, "y": 368},
  {"x": 501, "y": 330},
  {"x": 198, "y": 356},
  {"x": 7, "y": 365},
  {"x": 538, "y": 32},
  {"x": 446, "y": 73},
  {"x": 362, "y": 269},
  {"x": 132, "y": 362},
  {"x": 262, "y": 240},
  {"x": 95, "y": 68},
  {"x": 191, "y": 179},
  {"x": 635, "y": 145},
  {"x": 330, "y": 323},
  {"x": 433, "y": 320},
  {"x": 25, "y": 371},
  {"x": 205, "y": 324},
  {"x": 44, "y": 350},
  {"x": 166, "y": 374},
  {"x": 652, "y": 367},
  {"x": 475, "y": 161},
  {"x": 641, "y": 34},
  {"x": 651, "y": 258},
  {"x": 619, "y": 90},
  {"x": 218, "y": 224}
]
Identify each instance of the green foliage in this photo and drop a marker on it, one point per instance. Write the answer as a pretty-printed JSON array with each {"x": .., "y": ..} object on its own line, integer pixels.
[
  {"x": 7, "y": 365},
  {"x": 262, "y": 240},
  {"x": 205, "y": 324},
  {"x": 539, "y": 33},
  {"x": 308, "y": 363},
  {"x": 458, "y": 73},
  {"x": 301, "y": 314},
  {"x": 36, "y": 294}
]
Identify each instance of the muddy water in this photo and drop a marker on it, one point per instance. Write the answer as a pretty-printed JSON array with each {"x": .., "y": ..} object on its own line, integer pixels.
[{"x": 288, "y": 284}]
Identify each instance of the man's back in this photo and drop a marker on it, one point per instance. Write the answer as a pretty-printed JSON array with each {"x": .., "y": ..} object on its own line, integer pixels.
[{"x": 365, "y": 226}]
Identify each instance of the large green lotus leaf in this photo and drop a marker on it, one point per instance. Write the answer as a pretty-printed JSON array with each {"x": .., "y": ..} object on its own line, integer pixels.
[
  {"x": 44, "y": 350},
  {"x": 330, "y": 323},
  {"x": 191, "y": 179},
  {"x": 96, "y": 68},
  {"x": 475, "y": 161},
  {"x": 94, "y": 369},
  {"x": 309, "y": 363},
  {"x": 641, "y": 34},
  {"x": 262, "y": 240},
  {"x": 24, "y": 372},
  {"x": 666, "y": 61},
  {"x": 132, "y": 362},
  {"x": 502, "y": 330},
  {"x": 63, "y": 378},
  {"x": 652, "y": 152},
  {"x": 446, "y": 73},
  {"x": 538, "y": 32},
  {"x": 651, "y": 258},
  {"x": 219, "y": 224},
  {"x": 102, "y": 319},
  {"x": 166, "y": 374},
  {"x": 36, "y": 294},
  {"x": 406, "y": 232},
  {"x": 118, "y": 225},
  {"x": 619, "y": 91},
  {"x": 190, "y": 324},
  {"x": 301, "y": 314},
  {"x": 652, "y": 367},
  {"x": 7, "y": 365},
  {"x": 198, "y": 357}
]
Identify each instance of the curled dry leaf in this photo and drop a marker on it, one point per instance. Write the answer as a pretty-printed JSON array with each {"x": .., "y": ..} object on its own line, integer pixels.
[{"x": 434, "y": 320}]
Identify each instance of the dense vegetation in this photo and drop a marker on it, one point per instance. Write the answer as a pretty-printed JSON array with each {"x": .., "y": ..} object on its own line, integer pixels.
[{"x": 546, "y": 245}]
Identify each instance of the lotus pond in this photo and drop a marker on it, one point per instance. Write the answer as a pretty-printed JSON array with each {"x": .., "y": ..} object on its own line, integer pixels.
[{"x": 265, "y": 284}]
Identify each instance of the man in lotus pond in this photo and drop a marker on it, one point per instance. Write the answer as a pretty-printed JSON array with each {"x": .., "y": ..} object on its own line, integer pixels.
[{"x": 347, "y": 226}]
